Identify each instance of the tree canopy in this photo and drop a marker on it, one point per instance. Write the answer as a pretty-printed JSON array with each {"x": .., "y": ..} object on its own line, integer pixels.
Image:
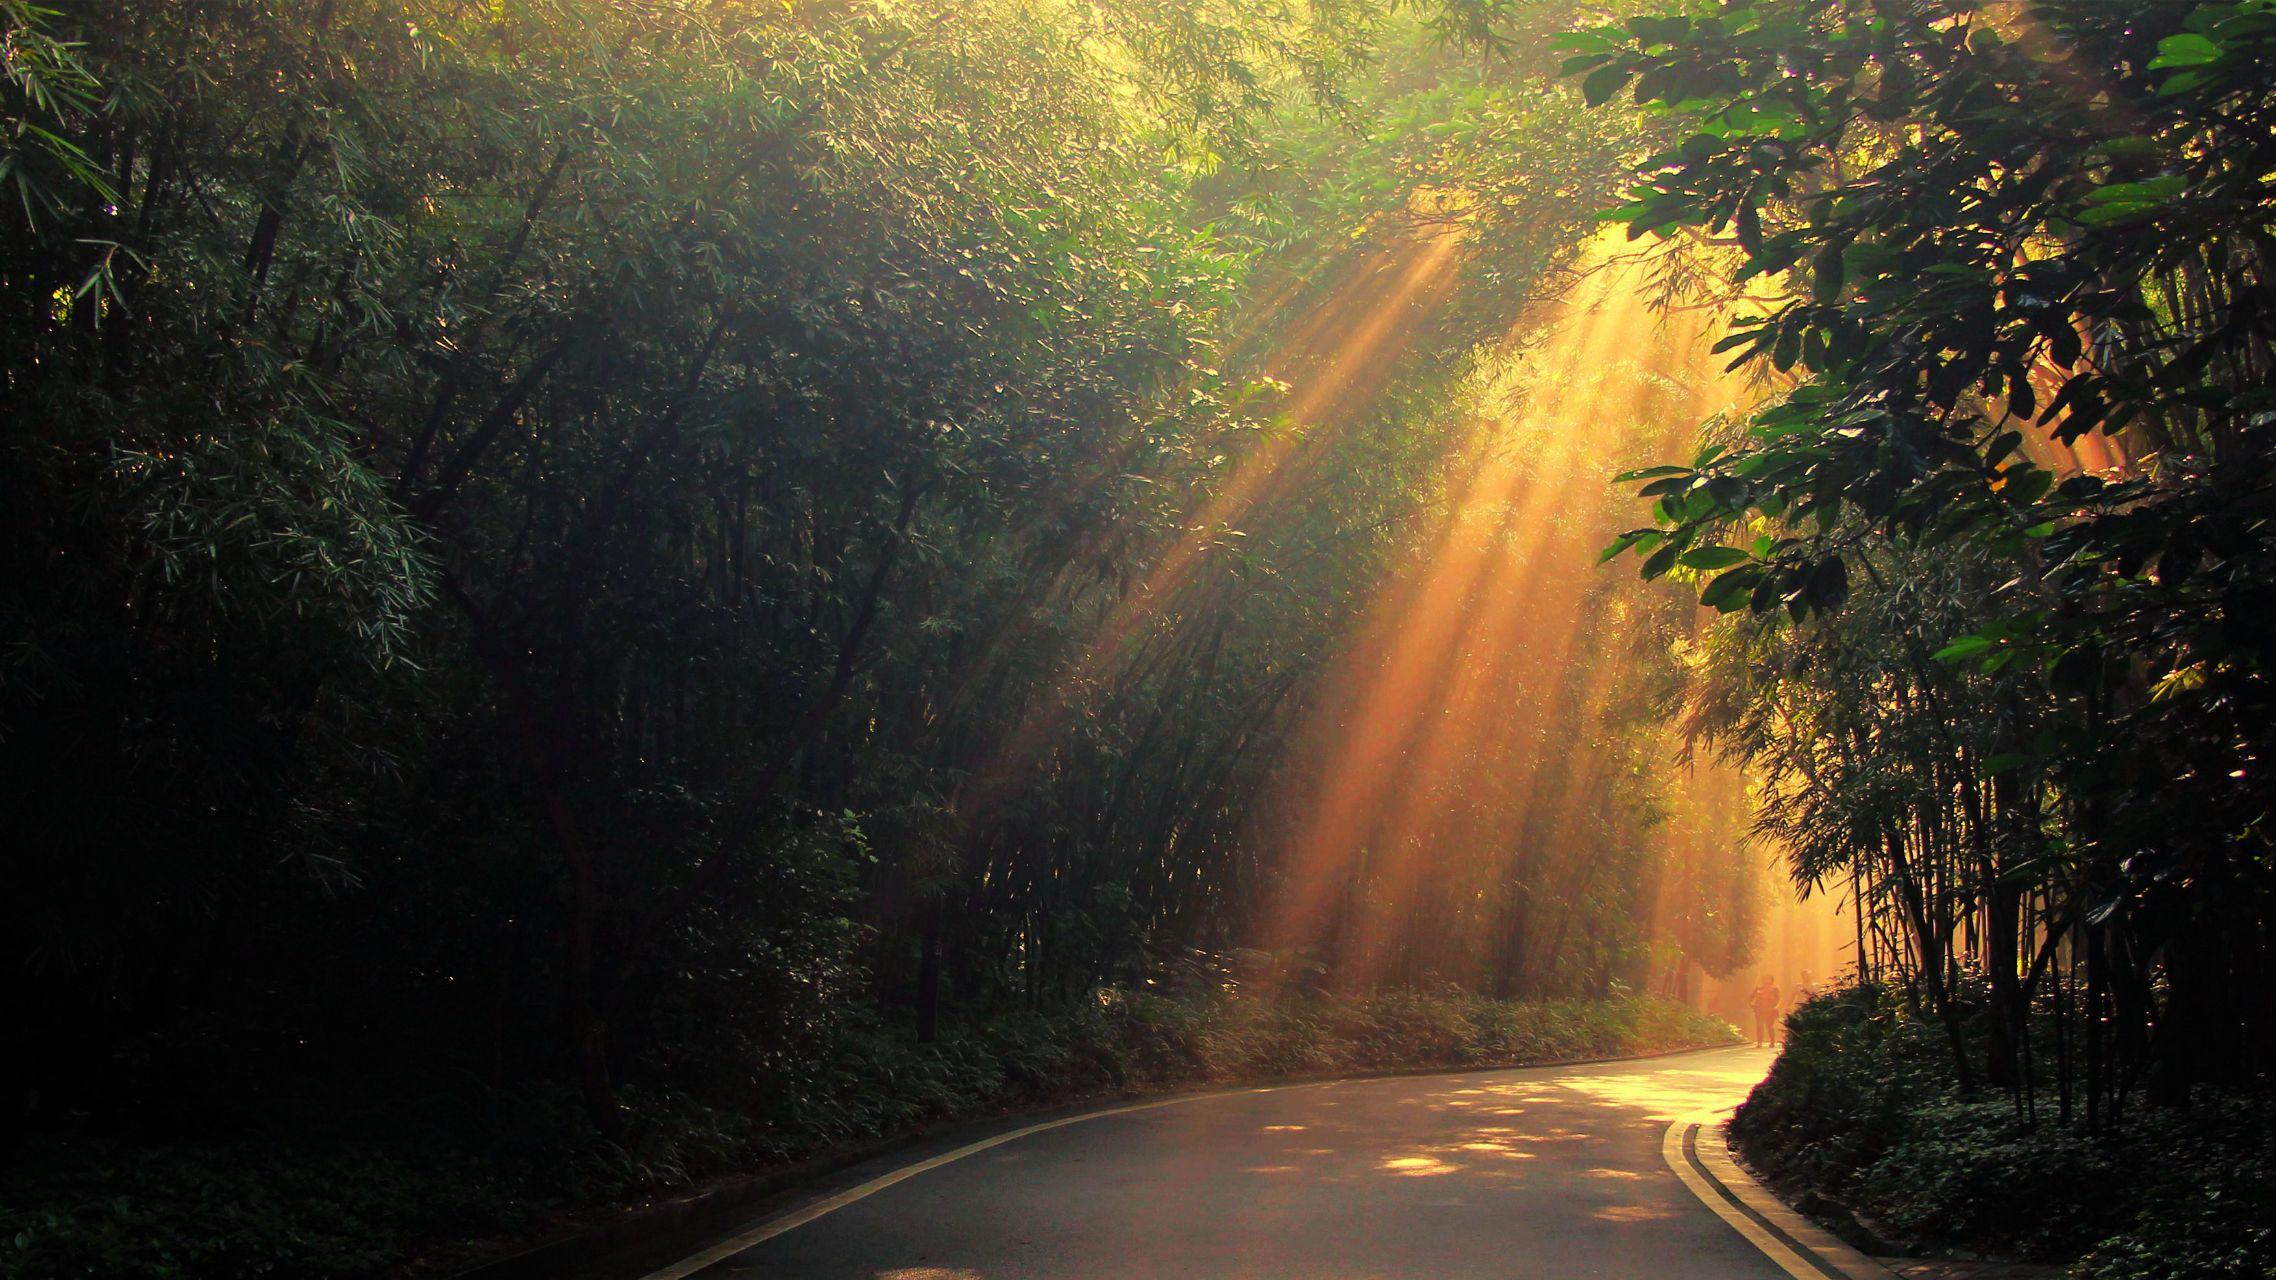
[
  {"x": 597, "y": 542},
  {"x": 2012, "y": 508}
]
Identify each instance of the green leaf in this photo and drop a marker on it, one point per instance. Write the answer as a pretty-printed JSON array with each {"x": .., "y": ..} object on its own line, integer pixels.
[
  {"x": 1964, "y": 648},
  {"x": 2130, "y": 148},
  {"x": 1826, "y": 274},
  {"x": 2006, "y": 762},
  {"x": 1602, "y": 83},
  {"x": 1660, "y": 562},
  {"x": 2026, "y": 484},
  {"x": 1729, "y": 593},
  {"x": 2122, "y": 200},
  {"x": 1650, "y": 473},
  {"x": 2183, "y": 82},
  {"x": 1713, "y": 558},
  {"x": 2186, "y": 50}
]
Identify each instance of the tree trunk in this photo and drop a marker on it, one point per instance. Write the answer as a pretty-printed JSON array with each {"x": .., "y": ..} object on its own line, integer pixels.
[
  {"x": 928, "y": 974},
  {"x": 2002, "y": 922}
]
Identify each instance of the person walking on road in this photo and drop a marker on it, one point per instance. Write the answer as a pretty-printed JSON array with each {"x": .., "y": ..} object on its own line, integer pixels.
[{"x": 1765, "y": 1002}]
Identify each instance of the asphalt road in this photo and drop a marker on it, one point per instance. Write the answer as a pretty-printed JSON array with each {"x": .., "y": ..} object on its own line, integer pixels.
[{"x": 1533, "y": 1174}]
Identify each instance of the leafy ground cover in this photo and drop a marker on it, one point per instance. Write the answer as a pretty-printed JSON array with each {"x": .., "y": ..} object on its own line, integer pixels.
[
  {"x": 1859, "y": 1123},
  {"x": 362, "y": 1193}
]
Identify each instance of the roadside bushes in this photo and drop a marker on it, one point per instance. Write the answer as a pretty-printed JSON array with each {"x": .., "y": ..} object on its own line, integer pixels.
[
  {"x": 1236, "y": 1040},
  {"x": 879, "y": 1083},
  {"x": 1839, "y": 1095},
  {"x": 344, "y": 1203},
  {"x": 2213, "y": 1215},
  {"x": 1857, "y": 1121},
  {"x": 359, "y": 1193}
]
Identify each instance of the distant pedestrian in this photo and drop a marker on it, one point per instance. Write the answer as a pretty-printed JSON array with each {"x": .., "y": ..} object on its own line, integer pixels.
[{"x": 1765, "y": 1002}]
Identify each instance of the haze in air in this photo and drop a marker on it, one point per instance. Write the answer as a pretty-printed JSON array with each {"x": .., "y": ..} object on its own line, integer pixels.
[{"x": 612, "y": 609}]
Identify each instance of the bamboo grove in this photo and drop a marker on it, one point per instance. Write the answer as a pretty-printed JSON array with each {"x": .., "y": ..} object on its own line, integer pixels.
[
  {"x": 1996, "y": 563},
  {"x": 631, "y": 545}
]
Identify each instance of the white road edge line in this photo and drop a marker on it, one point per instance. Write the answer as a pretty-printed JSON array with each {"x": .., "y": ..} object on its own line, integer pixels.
[
  {"x": 1715, "y": 1156},
  {"x": 796, "y": 1218}
]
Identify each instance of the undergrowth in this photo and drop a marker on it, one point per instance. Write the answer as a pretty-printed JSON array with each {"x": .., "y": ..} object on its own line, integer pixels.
[{"x": 1858, "y": 1120}]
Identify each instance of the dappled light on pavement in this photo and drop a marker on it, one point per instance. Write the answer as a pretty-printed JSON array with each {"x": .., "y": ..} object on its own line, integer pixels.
[
  {"x": 1632, "y": 1213},
  {"x": 1389, "y": 1179},
  {"x": 1418, "y": 1166},
  {"x": 1667, "y": 1095}
]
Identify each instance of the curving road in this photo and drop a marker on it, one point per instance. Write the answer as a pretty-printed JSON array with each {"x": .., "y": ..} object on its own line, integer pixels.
[{"x": 1530, "y": 1174}]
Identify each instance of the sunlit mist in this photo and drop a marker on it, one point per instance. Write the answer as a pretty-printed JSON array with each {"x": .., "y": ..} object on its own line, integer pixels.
[
  {"x": 1475, "y": 748},
  {"x": 1334, "y": 354}
]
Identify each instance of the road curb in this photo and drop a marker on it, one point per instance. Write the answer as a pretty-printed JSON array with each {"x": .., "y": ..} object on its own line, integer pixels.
[{"x": 1698, "y": 1149}]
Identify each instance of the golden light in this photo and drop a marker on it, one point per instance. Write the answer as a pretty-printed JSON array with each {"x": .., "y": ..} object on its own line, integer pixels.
[
  {"x": 1435, "y": 736},
  {"x": 1336, "y": 358}
]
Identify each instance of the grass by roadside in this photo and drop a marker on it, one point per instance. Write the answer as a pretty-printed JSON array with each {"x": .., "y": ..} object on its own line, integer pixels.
[
  {"x": 373, "y": 1192},
  {"x": 1859, "y": 1126}
]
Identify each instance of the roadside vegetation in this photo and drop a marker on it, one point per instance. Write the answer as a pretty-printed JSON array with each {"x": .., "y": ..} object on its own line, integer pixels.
[
  {"x": 1995, "y": 568},
  {"x": 1999, "y": 640},
  {"x": 1861, "y": 1125}
]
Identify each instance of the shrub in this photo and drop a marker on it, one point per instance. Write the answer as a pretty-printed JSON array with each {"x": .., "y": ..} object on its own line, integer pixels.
[{"x": 1859, "y": 1110}]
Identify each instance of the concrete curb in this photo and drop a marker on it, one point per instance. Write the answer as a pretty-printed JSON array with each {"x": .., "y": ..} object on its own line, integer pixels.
[
  {"x": 1697, "y": 1148},
  {"x": 687, "y": 1223}
]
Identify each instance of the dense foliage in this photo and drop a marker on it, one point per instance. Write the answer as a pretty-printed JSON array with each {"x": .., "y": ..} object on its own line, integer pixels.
[
  {"x": 1861, "y": 1122},
  {"x": 574, "y": 564},
  {"x": 1996, "y": 557}
]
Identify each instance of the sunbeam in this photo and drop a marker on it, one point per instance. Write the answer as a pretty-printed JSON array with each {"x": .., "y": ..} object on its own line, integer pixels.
[{"x": 1458, "y": 721}]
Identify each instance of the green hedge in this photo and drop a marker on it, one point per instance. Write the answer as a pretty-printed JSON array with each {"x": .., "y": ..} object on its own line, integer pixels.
[
  {"x": 1859, "y": 1112},
  {"x": 352, "y": 1195}
]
